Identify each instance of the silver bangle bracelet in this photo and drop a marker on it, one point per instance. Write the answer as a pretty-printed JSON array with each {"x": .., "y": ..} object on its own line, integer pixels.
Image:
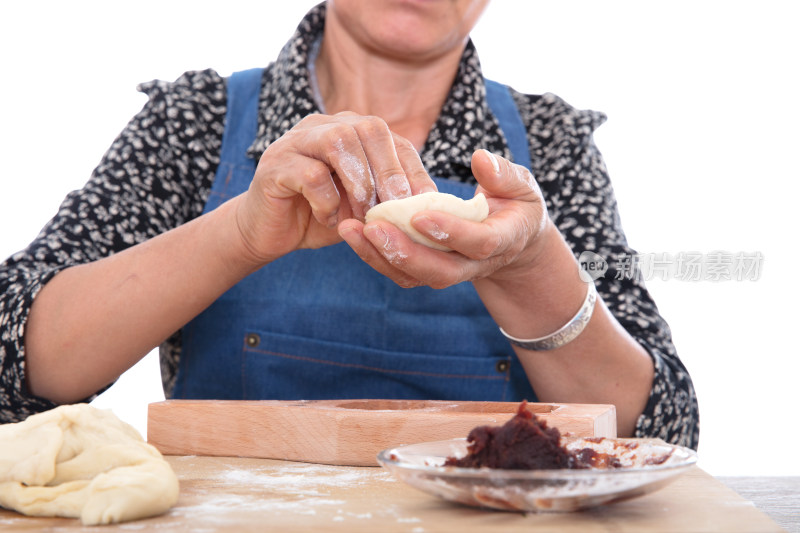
[{"x": 569, "y": 332}]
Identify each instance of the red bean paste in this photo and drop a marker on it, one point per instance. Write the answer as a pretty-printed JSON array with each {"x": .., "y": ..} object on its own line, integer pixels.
[{"x": 525, "y": 443}]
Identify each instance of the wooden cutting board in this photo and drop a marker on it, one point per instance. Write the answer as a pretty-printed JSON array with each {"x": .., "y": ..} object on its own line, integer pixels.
[{"x": 342, "y": 432}]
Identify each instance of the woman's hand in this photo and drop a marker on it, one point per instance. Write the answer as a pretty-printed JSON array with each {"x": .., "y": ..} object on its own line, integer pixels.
[
  {"x": 324, "y": 170},
  {"x": 511, "y": 238}
]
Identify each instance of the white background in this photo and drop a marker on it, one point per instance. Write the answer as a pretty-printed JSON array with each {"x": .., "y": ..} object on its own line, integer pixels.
[{"x": 701, "y": 144}]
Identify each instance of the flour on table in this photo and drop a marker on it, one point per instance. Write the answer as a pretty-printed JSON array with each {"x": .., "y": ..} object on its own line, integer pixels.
[
  {"x": 296, "y": 488},
  {"x": 77, "y": 461},
  {"x": 399, "y": 212}
]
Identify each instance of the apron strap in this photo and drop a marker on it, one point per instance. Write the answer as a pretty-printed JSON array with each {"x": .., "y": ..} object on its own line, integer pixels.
[
  {"x": 501, "y": 103},
  {"x": 241, "y": 117},
  {"x": 241, "y": 128}
]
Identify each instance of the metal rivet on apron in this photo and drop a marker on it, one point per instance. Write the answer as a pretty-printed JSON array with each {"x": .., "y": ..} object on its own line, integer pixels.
[
  {"x": 252, "y": 340},
  {"x": 502, "y": 366}
]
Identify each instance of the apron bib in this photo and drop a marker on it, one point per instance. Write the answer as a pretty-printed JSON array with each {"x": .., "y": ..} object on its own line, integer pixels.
[{"x": 322, "y": 324}]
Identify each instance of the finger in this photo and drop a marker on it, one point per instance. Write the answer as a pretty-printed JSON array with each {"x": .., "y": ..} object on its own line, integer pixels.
[
  {"x": 339, "y": 145},
  {"x": 419, "y": 180},
  {"x": 434, "y": 268},
  {"x": 395, "y": 168},
  {"x": 500, "y": 177},
  {"x": 379, "y": 146},
  {"x": 352, "y": 231},
  {"x": 293, "y": 174},
  {"x": 505, "y": 232}
]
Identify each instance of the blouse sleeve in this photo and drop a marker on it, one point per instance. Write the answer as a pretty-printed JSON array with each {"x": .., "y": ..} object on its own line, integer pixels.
[
  {"x": 581, "y": 202},
  {"x": 155, "y": 176}
]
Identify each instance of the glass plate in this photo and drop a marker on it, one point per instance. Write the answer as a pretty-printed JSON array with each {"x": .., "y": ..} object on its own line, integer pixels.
[{"x": 647, "y": 466}]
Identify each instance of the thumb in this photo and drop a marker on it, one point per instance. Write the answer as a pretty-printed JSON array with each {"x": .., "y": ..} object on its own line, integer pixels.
[{"x": 499, "y": 177}]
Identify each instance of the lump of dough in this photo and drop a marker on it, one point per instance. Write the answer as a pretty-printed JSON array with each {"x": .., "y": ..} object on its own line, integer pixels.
[
  {"x": 77, "y": 461},
  {"x": 399, "y": 212}
]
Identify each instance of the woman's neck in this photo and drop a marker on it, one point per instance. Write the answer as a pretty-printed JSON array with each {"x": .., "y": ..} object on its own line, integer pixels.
[{"x": 408, "y": 95}]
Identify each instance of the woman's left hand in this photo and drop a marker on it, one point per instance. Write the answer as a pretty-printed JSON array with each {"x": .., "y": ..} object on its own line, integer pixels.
[{"x": 508, "y": 241}]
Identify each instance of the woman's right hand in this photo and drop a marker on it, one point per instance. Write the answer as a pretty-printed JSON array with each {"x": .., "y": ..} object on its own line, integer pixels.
[{"x": 324, "y": 170}]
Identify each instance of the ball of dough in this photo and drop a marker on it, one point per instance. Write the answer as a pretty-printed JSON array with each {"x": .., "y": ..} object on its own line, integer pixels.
[
  {"x": 399, "y": 212},
  {"x": 77, "y": 461}
]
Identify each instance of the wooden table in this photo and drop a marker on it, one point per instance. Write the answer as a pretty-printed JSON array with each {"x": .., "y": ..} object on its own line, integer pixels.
[
  {"x": 777, "y": 496},
  {"x": 235, "y": 494}
]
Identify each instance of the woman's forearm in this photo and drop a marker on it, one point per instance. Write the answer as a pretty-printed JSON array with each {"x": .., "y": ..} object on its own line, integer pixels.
[
  {"x": 92, "y": 322},
  {"x": 604, "y": 364}
]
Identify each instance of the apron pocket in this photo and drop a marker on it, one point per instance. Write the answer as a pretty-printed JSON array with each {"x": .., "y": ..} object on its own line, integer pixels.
[{"x": 287, "y": 367}]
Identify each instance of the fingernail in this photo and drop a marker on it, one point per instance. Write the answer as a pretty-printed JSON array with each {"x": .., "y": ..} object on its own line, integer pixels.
[
  {"x": 493, "y": 161},
  {"x": 429, "y": 226},
  {"x": 381, "y": 240},
  {"x": 348, "y": 234},
  {"x": 376, "y": 235},
  {"x": 397, "y": 187}
]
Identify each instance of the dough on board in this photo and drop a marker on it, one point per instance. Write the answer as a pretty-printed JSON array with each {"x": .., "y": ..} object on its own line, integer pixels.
[
  {"x": 399, "y": 212},
  {"x": 78, "y": 461}
]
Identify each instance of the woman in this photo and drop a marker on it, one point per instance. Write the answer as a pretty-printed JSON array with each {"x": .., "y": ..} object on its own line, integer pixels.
[{"x": 219, "y": 213}]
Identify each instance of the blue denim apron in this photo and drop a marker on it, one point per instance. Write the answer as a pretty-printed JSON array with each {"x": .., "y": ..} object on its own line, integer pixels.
[{"x": 322, "y": 324}]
